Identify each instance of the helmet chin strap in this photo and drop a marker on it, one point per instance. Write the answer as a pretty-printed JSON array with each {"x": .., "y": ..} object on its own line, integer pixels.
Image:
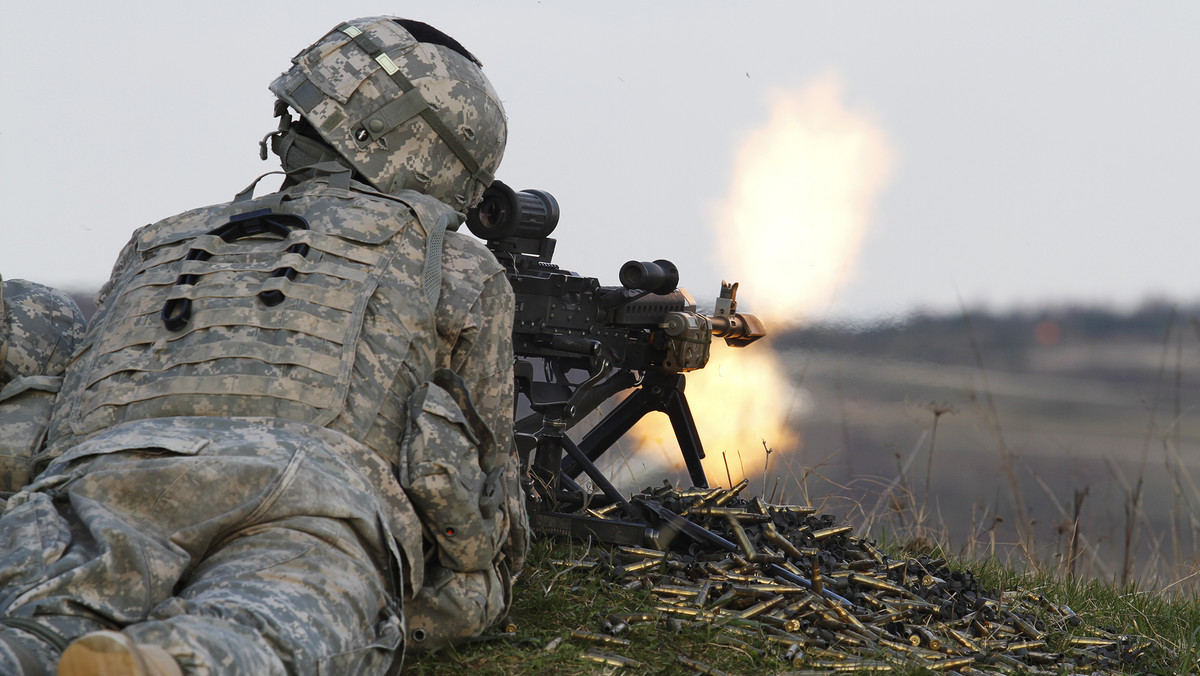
[{"x": 295, "y": 150}]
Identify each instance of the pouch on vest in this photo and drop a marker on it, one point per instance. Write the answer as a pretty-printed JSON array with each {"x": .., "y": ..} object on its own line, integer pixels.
[
  {"x": 454, "y": 606},
  {"x": 461, "y": 506},
  {"x": 25, "y": 405}
]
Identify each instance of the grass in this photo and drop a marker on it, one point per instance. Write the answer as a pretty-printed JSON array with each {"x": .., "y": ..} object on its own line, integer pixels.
[{"x": 552, "y": 600}]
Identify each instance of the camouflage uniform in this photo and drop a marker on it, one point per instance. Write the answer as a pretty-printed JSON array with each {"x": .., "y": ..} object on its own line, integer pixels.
[
  {"x": 39, "y": 330},
  {"x": 310, "y": 458}
]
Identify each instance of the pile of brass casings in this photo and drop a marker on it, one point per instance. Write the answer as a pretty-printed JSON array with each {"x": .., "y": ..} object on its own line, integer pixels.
[{"x": 782, "y": 576}]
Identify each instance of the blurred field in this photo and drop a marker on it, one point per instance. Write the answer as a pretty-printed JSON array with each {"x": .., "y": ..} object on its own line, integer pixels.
[
  {"x": 1086, "y": 420},
  {"x": 1075, "y": 400}
]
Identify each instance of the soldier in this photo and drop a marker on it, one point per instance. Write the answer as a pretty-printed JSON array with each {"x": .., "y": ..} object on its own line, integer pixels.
[
  {"x": 39, "y": 330},
  {"x": 285, "y": 446}
]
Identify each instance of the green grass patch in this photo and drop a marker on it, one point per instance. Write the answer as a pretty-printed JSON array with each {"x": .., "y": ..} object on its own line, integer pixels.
[{"x": 552, "y": 600}]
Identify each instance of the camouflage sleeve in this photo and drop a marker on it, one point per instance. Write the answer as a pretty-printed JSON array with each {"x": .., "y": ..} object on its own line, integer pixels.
[
  {"x": 483, "y": 357},
  {"x": 40, "y": 328}
]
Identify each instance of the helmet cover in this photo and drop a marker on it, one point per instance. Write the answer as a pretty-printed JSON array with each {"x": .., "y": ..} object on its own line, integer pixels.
[{"x": 404, "y": 114}]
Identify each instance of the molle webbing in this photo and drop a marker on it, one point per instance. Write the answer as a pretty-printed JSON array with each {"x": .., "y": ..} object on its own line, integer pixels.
[{"x": 409, "y": 105}]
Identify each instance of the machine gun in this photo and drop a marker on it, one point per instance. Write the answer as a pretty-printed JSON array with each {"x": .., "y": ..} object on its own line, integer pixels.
[{"x": 578, "y": 344}]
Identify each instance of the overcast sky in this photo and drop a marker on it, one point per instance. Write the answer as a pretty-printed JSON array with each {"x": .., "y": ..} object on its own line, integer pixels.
[{"x": 1032, "y": 152}]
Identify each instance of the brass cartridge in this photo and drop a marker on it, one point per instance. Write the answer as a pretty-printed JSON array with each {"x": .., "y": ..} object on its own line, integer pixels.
[
  {"x": 830, "y": 532},
  {"x": 609, "y": 659},
  {"x": 600, "y": 638}
]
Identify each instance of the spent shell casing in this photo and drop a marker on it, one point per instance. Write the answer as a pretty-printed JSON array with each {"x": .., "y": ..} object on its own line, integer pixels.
[
  {"x": 732, "y": 492},
  {"x": 843, "y": 614},
  {"x": 737, "y": 513},
  {"x": 830, "y": 532},
  {"x": 698, "y": 667},
  {"x": 876, "y": 583},
  {"x": 760, "y": 608},
  {"x": 1091, "y": 641},
  {"x": 875, "y": 553},
  {"x": 760, "y": 507},
  {"x": 574, "y": 564},
  {"x": 1023, "y": 645},
  {"x": 683, "y": 611},
  {"x": 792, "y": 652},
  {"x": 818, "y": 584},
  {"x": 963, "y": 640},
  {"x": 788, "y": 624},
  {"x": 950, "y": 663},
  {"x": 890, "y": 616},
  {"x": 600, "y": 638},
  {"x": 673, "y": 590},
  {"x": 743, "y": 540},
  {"x": 767, "y": 557},
  {"x": 609, "y": 659},
  {"x": 1009, "y": 661},
  {"x": 606, "y": 509},
  {"x": 780, "y": 541},
  {"x": 642, "y": 552},
  {"x": 702, "y": 501},
  {"x": 637, "y": 566},
  {"x": 1025, "y": 627},
  {"x": 928, "y": 638}
]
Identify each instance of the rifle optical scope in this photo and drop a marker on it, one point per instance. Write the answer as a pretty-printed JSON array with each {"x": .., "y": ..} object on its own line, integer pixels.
[
  {"x": 504, "y": 212},
  {"x": 659, "y": 277}
]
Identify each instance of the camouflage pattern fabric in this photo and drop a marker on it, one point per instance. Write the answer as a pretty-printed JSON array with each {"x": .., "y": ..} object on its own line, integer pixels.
[
  {"x": 25, "y": 406},
  {"x": 239, "y": 546},
  {"x": 404, "y": 114},
  {"x": 238, "y": 474},
  {"x": 40, "y": 328}
]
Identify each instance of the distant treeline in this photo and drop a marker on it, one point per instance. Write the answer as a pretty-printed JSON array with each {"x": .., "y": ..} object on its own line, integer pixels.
[{"x": 947, "y": 337}]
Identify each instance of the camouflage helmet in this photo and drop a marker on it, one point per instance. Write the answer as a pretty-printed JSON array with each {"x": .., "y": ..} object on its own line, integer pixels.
[
  {"x": 405, "y": 105},
  {"x": 40, "y": 328}
]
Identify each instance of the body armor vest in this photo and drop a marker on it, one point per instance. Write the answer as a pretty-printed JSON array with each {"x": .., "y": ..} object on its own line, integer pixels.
[{"x": 311, "y": 309}]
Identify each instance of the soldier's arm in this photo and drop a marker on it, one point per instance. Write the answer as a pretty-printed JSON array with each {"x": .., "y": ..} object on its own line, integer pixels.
[{"x": 483, "y": 357}]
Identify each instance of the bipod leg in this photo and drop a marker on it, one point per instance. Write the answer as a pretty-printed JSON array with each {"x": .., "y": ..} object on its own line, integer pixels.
[
  {"x": 612, "y": 427},
  {"x": 677, "y": 409},
  {"x": 547, "y": 463},
  {"x": 601, "y": 481}
]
